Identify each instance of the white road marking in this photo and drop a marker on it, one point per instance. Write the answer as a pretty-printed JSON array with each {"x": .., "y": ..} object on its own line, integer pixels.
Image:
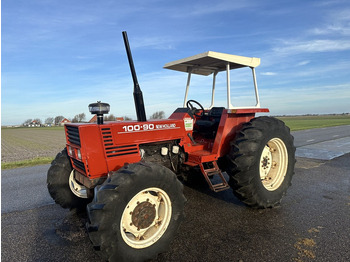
[{"x": 310, "y": 140}]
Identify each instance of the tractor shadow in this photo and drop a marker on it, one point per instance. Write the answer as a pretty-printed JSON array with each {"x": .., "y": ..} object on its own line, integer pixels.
[{"x": 195, "y": 182}]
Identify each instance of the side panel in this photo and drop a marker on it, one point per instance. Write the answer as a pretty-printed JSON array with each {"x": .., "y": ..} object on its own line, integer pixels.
[
  {"x": 230, "y": 124},
  {"x": 126, "y": 137}
]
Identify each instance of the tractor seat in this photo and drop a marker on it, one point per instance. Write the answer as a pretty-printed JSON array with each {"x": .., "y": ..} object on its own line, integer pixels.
[{"x": 209, "y": 124}]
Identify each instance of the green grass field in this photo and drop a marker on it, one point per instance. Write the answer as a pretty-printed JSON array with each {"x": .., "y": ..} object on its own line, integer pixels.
[
  {"x": 33, "y": 146},
  {"x": 308, "y": 122}
]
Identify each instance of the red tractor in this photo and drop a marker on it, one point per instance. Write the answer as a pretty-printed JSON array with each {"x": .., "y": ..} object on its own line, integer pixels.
[{"x": 126, "y": 173}]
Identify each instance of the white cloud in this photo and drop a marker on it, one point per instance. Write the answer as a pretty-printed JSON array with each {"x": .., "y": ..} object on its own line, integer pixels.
[
  {"x": 268, "y": 73},
  {"x": 332, "y": 29},
  {"x": 158, "y": 42},
  {"x": 321, "y": 70},
  {"x": 337, "y": 23},
  {"x": 308, "y": 99},
  {"x": 209, "y": 7},
  {"x": 330, "y": 2},
  {"x": 312, "y": 46},
  {"x": 303, "y": 63}
]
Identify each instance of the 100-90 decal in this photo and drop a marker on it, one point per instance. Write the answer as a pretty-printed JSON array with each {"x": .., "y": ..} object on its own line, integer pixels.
[{"x": 147, "y": 127}]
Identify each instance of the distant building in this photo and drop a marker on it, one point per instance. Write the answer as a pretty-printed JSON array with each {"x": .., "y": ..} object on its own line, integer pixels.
[
  {"x": 34, "y": 123},
  {"x": 93, "y": 119},
  {"x": 64, "y": 121}
]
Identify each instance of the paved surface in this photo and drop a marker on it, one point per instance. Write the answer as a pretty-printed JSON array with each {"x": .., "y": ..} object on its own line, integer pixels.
[
  {"x": 311, "y": 225},
  {"x": 323, "y": 143},
  {"x": 24, "y": 188}
]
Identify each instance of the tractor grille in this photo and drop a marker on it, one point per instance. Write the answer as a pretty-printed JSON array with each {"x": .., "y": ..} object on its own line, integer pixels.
[
  {"x": 107, "y": 137},
  {"x": 79, "y": 165},
  {"x": 114, "y": 151},
  {"x": 73, "y": 135},
  {"x": 121, "y": 150}
]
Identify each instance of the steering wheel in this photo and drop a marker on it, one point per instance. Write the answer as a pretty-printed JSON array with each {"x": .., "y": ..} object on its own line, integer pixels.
[{"x": 194, "y": 109}]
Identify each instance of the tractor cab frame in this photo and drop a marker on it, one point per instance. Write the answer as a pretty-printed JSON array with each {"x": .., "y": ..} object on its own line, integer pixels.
[{"x": 212, "y": 63}]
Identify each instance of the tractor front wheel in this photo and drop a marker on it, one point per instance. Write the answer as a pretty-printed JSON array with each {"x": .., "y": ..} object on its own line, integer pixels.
[
  {"x": 62, "y": 186},
  {"x": 261, "y": 162},
  {"x": 136, "y": 212}
]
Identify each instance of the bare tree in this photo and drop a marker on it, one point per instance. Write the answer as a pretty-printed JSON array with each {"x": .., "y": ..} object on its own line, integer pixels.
[
  {"x": 49, "y": 121},
  {"x": 158, "y": 115},
  {"x": 81, "y": 117},
  {"x": 126, "y": 118},
  {"x": 78, "y": 118},
  {"x": 58, "y": 120},
  {"x": 110, "y": 117}
]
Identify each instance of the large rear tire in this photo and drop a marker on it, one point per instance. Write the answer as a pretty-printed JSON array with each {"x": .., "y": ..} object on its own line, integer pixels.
[
  {"x": 261, "y": 162},
  {"x": 136, "y": 212},
  {"x": 61, "y": 184}
]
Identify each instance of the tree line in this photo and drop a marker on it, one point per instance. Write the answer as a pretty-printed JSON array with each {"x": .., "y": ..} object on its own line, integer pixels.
[{"x": 80, "y": 118}]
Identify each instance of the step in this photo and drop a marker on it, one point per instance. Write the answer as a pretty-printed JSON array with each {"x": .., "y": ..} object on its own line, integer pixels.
[
  {"x": 220, "y": 187},
  {"x": 215, "y": 170},
  {"x": 201, "y": 156}
]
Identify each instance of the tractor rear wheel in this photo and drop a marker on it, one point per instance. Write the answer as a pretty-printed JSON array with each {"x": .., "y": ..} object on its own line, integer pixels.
[
  {"x": 136, "y": 212},
  {"x": 62, "y": 186},
  {"x": 261, "y": 162}
]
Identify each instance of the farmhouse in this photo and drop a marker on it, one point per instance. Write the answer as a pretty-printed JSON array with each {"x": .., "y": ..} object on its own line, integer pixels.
[
  {"x": 34, "y": 123},
  {"x": 94, "y": 119},
  {"x": 64, "y": 121}
]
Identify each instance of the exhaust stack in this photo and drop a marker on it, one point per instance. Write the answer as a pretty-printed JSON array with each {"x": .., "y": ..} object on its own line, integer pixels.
[{"x": 138, "y": 97}]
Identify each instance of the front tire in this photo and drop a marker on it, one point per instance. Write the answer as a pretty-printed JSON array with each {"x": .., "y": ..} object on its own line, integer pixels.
[
  {"x": 61, "y": 184},
  {"x": 136, "y": 212},
  {"x": 261, "y": 162}
]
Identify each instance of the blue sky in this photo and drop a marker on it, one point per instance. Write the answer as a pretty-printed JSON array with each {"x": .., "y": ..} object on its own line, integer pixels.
[{"x": 59, "y": 56}]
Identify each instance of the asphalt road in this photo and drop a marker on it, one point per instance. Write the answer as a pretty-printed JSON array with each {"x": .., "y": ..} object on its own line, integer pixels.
[
  {"x": 312, "y": 223},
  {"x": 24, "y": 188},
  {"x": 319, "y": 135},
  {"x": 322, "y": 143}
]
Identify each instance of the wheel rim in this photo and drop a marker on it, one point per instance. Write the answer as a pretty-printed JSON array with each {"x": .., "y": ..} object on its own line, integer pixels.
[
  {"x": 77, "y": 189},
  {"x": 146, "y": 218},
  {"x": 273, "y": 164}
]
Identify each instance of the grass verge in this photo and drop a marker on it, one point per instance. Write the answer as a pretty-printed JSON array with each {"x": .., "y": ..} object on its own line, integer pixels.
[
  {"x": 296, "y": 123},
  {"x": 27, "y": 163}
]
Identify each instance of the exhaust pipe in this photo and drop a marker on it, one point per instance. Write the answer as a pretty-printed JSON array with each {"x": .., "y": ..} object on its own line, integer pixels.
[{"x": 138, "y": 97}]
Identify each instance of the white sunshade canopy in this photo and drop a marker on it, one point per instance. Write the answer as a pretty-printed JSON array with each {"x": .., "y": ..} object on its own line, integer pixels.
[{"x": 210, "y": 62}]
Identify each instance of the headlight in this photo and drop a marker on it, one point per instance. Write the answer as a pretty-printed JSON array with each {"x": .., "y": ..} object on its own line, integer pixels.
[
  {"x": 70, "y": 151},
  {"x": 79, "y": 154}
]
